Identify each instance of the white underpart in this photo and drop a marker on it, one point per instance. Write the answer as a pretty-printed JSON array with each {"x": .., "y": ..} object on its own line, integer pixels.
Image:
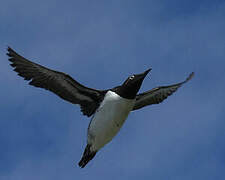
[{"x": 108, "y": 119}]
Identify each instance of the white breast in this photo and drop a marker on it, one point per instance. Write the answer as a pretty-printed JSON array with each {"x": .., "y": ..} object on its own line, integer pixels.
[{"x": 108, "y": 119}]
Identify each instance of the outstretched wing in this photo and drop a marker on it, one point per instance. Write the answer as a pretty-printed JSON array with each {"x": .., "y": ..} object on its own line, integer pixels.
[
  {"x": 157, "y": 95},
  {"x": 57, "y": 82}
]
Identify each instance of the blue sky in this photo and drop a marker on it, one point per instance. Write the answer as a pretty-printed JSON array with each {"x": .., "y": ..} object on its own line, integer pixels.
[{"x": 100, "y": 43}]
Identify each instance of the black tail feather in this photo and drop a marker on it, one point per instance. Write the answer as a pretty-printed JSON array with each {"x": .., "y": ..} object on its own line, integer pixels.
[{"x": 87, "y": 156}]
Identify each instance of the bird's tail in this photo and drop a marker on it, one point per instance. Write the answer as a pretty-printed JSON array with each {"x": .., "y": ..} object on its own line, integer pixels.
[{"x": 87, "y": 156}]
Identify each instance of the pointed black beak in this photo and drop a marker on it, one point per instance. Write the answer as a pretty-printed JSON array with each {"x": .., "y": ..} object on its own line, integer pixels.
[
  {"x": 147, "y": 71},
  {"x": 132, "y": 84},
  {"x": 142, "y": 75}
]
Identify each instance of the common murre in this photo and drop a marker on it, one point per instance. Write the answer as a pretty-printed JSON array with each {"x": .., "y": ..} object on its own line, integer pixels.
[{"x": 108, "y": 108}]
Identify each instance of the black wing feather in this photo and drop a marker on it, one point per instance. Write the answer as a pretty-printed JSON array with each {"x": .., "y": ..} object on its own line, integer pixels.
[
  {"x": 57, "y": 82},
  {"x": 157, "y": 95}
]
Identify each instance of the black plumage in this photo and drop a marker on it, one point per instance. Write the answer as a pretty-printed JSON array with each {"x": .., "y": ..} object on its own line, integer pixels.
[
  {"x": 57, "y": 82},
  {"x": 90, "y": 99},
  {"x": 157, "y": 95}
]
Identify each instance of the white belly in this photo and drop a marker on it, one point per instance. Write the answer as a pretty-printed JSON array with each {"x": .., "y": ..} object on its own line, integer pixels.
[{"x": 108, "y": 119}]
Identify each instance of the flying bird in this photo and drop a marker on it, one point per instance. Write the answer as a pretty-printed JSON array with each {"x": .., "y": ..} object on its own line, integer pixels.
[{"x": 108, "y": 108}]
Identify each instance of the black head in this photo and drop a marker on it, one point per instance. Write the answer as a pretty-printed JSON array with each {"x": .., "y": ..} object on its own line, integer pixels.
[{"x": 131, "y": 86}]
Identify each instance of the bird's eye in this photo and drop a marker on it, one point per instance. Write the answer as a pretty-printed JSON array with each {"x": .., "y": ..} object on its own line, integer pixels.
[{"x": 131, "y": 77}]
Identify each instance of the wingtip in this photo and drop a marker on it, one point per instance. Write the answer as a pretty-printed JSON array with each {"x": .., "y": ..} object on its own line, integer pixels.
[
  {"x": 9, "y": 51},
  {"x": 12, "y": 53},
  {"x": 9, "y": 48},
  {"x": 189, "y": 78}
]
